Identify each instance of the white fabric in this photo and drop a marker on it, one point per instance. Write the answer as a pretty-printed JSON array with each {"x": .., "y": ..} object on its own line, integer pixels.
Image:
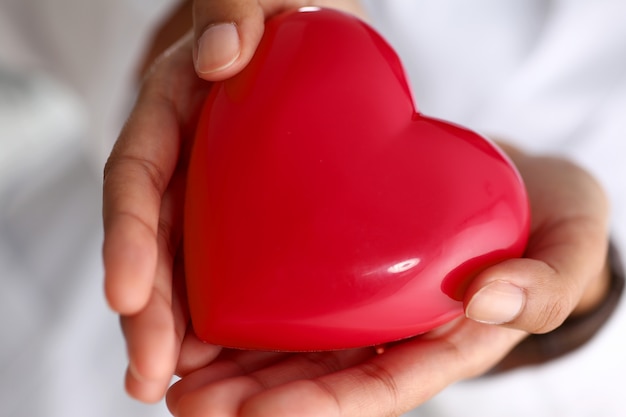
[{"x": 547, "y": 75}]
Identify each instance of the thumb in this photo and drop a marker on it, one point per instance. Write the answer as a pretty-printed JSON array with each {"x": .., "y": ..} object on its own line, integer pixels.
[
  {"x": 522, "y": 293},
  {"x": 226, "y": 34},
  {"x": 530, "y": 294},
  {"x": 564, "y": 269}
]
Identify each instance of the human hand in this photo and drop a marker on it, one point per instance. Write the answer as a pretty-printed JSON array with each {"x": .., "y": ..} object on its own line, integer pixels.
[
  {"x": 142, "y": 208},
  {"x": 562, "y": 273},
  {"x": 144, "y": 186}
]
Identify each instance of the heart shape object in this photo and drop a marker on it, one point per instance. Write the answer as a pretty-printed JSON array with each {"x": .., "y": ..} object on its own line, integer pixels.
[{"x": 323, "y": 211}]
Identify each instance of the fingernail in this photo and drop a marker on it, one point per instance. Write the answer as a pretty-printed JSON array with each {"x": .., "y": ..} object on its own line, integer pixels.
[
  {"x": 497, "y": 303},
  {"x": 218, "y": 48}
]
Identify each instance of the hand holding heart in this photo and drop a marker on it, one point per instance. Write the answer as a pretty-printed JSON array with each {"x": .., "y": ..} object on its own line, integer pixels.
[{"x": 143, "y": 188}]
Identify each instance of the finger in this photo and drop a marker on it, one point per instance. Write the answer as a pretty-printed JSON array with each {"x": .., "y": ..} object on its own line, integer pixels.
[
  {"x": 226, "y": 396},
  {"x": 535, "y": 295},
  {"x": 227, "y": 33},
  {"x": 153, "y": 338},
  {"x": 136, "y": 175},
  {"x": 392, "y": 383},
  {"x": 151, "y": 343},
  {"x": 155, "y": 333},
  {"x": 564, "y": 258}
]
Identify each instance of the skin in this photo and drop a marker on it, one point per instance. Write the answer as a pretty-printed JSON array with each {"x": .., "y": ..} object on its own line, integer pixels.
[{"x": 563, "y": 272}]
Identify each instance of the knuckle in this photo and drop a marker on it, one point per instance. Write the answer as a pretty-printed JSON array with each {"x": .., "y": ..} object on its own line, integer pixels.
[
  {"x": 137, "y": 167},
  {"x": 154, "y": 173},
  {"x": 167, "y": 238},
  {"x": 551, "y": 316}
]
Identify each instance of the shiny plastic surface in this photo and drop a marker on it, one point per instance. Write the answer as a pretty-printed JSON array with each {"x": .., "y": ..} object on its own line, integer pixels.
[{"x": 323, "y": 211}]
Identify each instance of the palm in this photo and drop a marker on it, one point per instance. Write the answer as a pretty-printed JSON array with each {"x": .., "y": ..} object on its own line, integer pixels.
[{"x": 358, "y": 381}]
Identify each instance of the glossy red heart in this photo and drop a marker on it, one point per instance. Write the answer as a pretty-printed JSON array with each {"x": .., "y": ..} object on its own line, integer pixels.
[{"x": 323, "y": 211}]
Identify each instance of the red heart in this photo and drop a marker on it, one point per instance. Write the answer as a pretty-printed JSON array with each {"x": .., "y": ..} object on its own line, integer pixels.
[{"x": 323, "y": 211}]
